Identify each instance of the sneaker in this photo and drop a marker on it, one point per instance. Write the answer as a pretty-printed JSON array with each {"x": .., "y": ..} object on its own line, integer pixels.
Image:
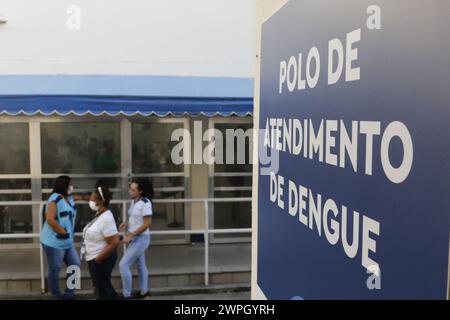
[
  {"x": 68, "y": 296},
  {"x": 144, "y": 296}
]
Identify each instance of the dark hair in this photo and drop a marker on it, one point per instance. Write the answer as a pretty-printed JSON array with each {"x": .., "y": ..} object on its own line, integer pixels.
[
  {"x": 107, "y": 195},
  {"x": 61, "y": 185},
  {"x": 101, "y": 182},
  {"x": 145, "y": 185}
]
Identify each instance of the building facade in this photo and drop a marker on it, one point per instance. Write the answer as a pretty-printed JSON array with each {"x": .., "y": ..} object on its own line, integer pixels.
[{"x": 96, "y": 90}]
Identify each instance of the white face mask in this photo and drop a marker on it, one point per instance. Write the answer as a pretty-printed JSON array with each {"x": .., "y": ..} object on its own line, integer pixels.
[
  {"x": 70, "y": 190},
  {"x": 93, "y": 206}
]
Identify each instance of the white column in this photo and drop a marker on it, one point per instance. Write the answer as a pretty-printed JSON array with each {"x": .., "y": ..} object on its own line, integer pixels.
[
  {"x": 35, "y": 169},
  {"x": 126, "y": 156}
]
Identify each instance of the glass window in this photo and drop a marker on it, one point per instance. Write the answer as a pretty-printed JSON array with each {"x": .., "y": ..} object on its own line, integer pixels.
[
  {"x": 15, "y": 219},
  {"x": 80, "y": 147},
  {"x": 234, "y": 130},
  {"x": 82, "y": 185},
  {"x": 88, "y": 148},
  {"x": 233, "y": 181},
  {"x": 168, "y": 215},
  {"x": 14, "y": 142},
  {"x": 234, "y": 214},
  {"x": 152, "y": 147}
]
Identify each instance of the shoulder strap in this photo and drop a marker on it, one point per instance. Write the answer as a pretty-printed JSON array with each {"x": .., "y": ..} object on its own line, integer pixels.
[
  {"x": 58, "y": 199},
  {"x": 44, "y": 209}
]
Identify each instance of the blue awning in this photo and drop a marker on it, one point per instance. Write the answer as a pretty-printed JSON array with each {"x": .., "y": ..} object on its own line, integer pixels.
[
  {"x": 122, "y": 105},
  {"x": 125, "y": 95}
]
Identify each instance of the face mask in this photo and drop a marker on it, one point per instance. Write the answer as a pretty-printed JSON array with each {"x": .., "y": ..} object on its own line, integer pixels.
[
  {"x": 93, "y": 206},
  {"x": 70, "y": 190}
]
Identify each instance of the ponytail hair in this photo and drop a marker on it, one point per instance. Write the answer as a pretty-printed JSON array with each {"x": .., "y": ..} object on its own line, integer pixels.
[{"x": 144, "y": 185}]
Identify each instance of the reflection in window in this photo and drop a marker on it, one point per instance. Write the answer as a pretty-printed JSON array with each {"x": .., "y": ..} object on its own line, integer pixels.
[
  {"x": 233, "y": 214},
  {"x": 152, "y": 147},
  {"x": 14, "y": 142},
  {"x": 233, "y": 181},
  {"x": 243, "y": 130},
  {"x": 80, "y": 147},
  {"x": 15, "y": 219}
]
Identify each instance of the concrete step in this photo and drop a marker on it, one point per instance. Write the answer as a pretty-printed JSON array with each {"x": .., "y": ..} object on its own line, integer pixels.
[
  {"x": 157, "y": 293},
  {"x": 23, "y": 285},
  {"x": 169, "y": 266}
]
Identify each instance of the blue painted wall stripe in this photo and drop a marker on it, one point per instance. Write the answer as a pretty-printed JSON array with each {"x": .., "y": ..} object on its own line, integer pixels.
[{"x": 124, "y": 85}]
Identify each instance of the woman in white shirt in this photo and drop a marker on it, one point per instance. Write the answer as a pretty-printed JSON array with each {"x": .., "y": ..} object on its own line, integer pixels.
[
  {"x": 137, "y": 237},
  {"x": 100, "y": 242}
]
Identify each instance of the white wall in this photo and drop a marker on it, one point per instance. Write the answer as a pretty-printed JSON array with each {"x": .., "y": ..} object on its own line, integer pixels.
[{"x": 152, "y": 37}]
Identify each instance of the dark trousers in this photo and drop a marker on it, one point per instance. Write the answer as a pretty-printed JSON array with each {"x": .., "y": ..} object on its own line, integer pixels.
[{"x": 101, "y": 277}]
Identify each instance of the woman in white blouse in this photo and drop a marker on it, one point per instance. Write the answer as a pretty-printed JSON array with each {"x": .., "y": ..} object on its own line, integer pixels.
[
  {"x": 137, "y": 237},
  {"x": 100, "y": 242}
]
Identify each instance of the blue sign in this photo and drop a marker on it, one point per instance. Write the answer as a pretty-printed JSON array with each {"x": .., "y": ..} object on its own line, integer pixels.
[{"x": 355, "y": 118}]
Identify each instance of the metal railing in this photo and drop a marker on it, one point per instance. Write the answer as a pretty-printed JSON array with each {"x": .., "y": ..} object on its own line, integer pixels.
[{"x": 206, "y": 231}]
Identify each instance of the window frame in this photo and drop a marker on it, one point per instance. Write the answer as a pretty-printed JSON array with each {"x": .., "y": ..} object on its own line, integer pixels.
[
  {"x": 36, "y": 175},
  {"x": 212, "y": 174}
]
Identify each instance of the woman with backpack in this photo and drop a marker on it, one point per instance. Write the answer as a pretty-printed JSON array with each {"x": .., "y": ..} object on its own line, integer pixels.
[{"x": 57, "y": 233}]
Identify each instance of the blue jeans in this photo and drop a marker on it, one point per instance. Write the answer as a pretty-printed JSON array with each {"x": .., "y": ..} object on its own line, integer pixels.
[
  {"x": 55, "y": 258},
  {"x": 135, "y": 255}
]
